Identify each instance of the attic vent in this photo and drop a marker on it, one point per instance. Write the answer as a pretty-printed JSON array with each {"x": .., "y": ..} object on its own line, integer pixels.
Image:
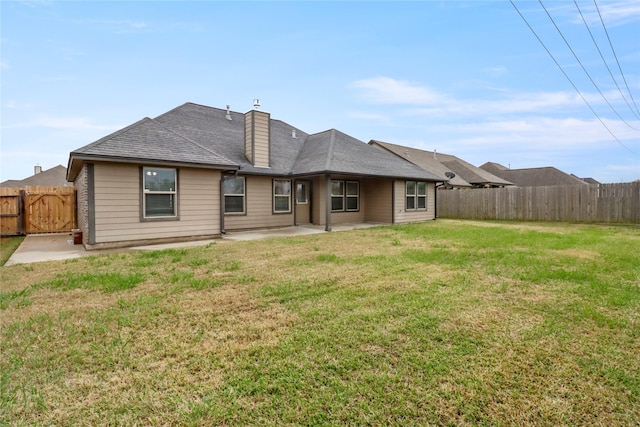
[
  {"x": 293, "y": 133},
  {"x": 435, "y": 156},
  {"x": 228, "y": 115}
]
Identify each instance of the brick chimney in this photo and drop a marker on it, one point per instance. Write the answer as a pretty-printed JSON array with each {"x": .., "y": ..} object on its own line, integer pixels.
[{"x": 257, "y": 138}]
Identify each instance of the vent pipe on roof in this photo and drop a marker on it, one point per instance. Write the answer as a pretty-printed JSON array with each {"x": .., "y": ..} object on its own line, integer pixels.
[
  {"x": 256, "y": 103},
  {"x": 434, "y": 154},
  {"x": 293, "y": 134},
  {"x": 228, "y": 115},
  {"x": 37, "y": 169}
]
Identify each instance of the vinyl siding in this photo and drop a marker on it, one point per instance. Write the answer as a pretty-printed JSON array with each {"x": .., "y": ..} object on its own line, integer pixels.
[
  {"x": 259, "y": 207},
  {"x": 257, "y": 137},
  {"x": 379, "y": 200},
  {"x": 404, "y": 216},
  {"x": 261, "y": 139},
  {"x": 117, "y": 205}
]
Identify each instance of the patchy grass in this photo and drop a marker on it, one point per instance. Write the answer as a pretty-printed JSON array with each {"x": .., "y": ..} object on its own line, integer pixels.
[
  {"x": 442, "y": 323},
  {"x": 8, "y": 246}
]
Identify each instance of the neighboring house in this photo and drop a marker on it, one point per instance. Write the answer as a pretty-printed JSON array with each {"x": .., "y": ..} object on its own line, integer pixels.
[
  {"x": 588, "y": 180},
  {"x": 196, "y": 172},
  {"x": 466, "y": 174},
  {"x": 533, "y": 177},
  {"x": 54, "y": 177}
]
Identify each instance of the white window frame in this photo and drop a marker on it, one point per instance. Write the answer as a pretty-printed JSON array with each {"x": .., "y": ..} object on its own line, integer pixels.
[
  {"x": 243, "y": 195},
  {"x": 415, "y": 197},
  {"x": 277, "y": 197},
  {"x": 172, "y": 192}
]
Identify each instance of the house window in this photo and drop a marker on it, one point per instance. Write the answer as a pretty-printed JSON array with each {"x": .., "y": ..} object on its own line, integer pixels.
[
  {"x": 281, "y": 196},
  {"x": 337, "y": 195},
  {"x": 345, "y": 195},
  {"x": 301, "y": 193},
  {"x": 233, "y": 188},
  {"x": 353, "y": 196},
  {"x": 416, "y": 194},
  {"x": 159, "y": 192}
]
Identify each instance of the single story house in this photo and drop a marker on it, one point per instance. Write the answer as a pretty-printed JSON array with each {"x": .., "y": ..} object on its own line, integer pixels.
[
  {"x": 466, "y": 174},
  {"x": 196, "y": 172}
]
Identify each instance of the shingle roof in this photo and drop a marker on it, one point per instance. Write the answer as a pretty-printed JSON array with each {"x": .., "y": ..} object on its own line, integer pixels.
[
  {"x": 467, "y": 175},
  {"x": 336, "y": 152},
  {"x": 199, "y": 135},
  {"x": 533, "y": 177},
  {"x": 55, "y": 177},
  {"x": 147, "y": 139}
]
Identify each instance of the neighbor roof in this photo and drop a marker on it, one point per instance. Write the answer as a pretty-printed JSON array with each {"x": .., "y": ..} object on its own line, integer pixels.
[
  {"x": 533, "y": 177},
  {"x": 54, "y": 177},
  {"x": 467, "y": 175},
  {"x": 200, "y": 136}
]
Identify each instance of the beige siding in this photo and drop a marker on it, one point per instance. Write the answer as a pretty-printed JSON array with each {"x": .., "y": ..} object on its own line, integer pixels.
[
  {"x": 257, "y": 137},
  {"x": 378, "y": 194},
  {"x": 248, "y": 136},
  {"x": 118, "y": 210},
  {"x": 259, "y": 207},
  {"x": 319, "y": 200},
  {"x": 404, "y": 216},
  {"x": 261, "y": 139}
]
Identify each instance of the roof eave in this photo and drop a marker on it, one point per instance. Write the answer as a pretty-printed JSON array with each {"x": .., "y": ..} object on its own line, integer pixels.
[{"x": 76, "y": 159}]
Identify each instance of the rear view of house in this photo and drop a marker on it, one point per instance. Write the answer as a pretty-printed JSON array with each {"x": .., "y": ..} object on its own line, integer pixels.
[{"x": 196, "y": 172}]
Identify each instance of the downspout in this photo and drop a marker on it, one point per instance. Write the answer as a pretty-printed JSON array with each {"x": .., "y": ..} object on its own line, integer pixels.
[
  {"x": 327, "y": 226},
  {"x": 222, "y": 231},
  {"x": 393, "y": 201}
]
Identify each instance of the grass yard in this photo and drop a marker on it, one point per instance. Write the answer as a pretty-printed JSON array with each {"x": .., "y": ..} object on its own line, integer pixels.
[
  {"x": 8, "y": 245},
  {"x": 442, "y": 323}
]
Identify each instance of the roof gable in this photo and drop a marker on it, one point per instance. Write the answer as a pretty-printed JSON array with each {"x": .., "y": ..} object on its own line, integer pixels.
[{"x": 148, "y": 140}]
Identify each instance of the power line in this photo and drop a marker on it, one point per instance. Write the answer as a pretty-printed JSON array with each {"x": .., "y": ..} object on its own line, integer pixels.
[
  {"x": 604, "y": 60},
  {"x": 615, "y": 56},
  {"x": 568, "y": 78},
  {"x": 583, "y": 67}
]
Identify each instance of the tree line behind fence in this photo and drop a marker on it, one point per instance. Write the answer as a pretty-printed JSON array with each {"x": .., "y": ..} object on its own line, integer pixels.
[{"x": 607, "y": 203}]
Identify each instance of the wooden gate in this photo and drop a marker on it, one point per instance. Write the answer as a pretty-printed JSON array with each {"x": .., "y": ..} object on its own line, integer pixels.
[
  {"x": 38, "y": 210},
  {"x": 11, "y": 212}
]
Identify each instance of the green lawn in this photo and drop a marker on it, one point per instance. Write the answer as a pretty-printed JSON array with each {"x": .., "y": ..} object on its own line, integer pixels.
[
  {"x": 442, "y": 323},
  {"x": 8, "y": 245}
]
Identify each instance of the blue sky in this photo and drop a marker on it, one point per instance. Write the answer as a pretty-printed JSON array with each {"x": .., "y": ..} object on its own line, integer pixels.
[{"x": 463, "y": 78}]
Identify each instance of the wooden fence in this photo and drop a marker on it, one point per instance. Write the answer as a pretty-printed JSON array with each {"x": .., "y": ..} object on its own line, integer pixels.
[
  {"x": 37, "y": 209},
  {"x": 607, "y": 203}
]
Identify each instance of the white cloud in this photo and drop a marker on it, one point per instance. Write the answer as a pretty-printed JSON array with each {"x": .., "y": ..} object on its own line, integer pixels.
[
  {"x": 431, "y": 103},
  {"x": 385, "y": 90},
  {"x": 613, "y": 13}
]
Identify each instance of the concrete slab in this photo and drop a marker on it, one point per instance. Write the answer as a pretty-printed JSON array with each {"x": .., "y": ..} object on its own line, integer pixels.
[
  {"x": 46, "y": 247},
  {"x": 56, "y": 247}
]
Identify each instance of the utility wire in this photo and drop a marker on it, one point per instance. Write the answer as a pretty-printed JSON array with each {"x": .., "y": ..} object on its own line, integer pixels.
[
  {"x": 604, "y": 60},
  {"x": 583, "y": 67},
  {"x": 615, "y": 56},
  {"x": 568, "y": 78}
]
